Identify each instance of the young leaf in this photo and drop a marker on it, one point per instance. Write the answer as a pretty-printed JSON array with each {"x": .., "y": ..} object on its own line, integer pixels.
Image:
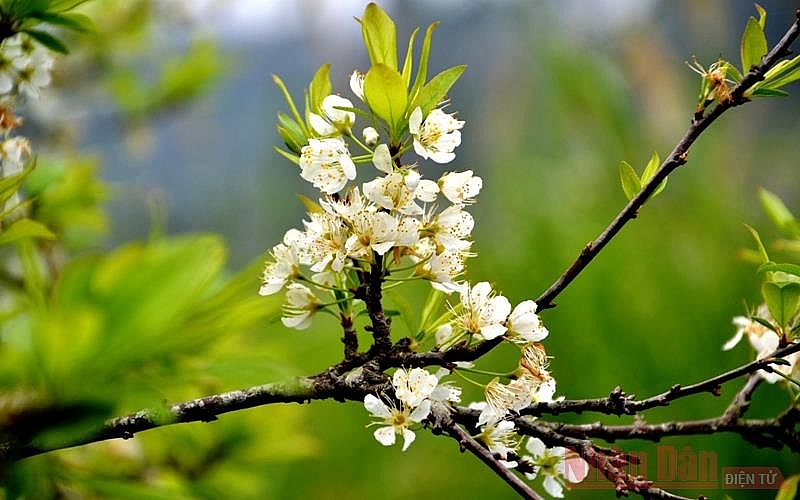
[
  {"x": 631, "y": 184},
  {"x": 320, "y": 87},
  {"x": 73, "y": 21},
  {"x": 754, "y": 44},
  {"x": 290, "y": 102},
  {"x": 435, "y": 90},
  {"x": 762, "y": 16},
  {"x": 649, "y": 171},
  {"x": 782, "y": 299},
  {"x": 409, "y": 58},
  {"x": 380, "y": 36},
  {"x": 422, "y": 69},
  {"x": 782, "y": 74},
  {"x": 785, "y": 268},
  {"x": 385, "y": 93}
]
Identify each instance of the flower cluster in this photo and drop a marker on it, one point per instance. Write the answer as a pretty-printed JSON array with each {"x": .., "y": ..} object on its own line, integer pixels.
[{"x": 397, "y": 214}]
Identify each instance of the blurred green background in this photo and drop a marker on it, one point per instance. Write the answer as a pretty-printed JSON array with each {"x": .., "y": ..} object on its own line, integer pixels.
[{"x": 555, "y": 96}]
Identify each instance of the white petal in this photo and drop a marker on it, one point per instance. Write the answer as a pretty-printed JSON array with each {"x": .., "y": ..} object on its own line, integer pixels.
[
  {"x": 382, "y": 159},
  {"x": 376, "y": 407},
  {"x": 535, "y": 447},
  {"x": 414, "y": 121},
  {"x": 732, "y": 342},
  {"x": 408, "y": 438},
  {"x": 385, "y": 435}
]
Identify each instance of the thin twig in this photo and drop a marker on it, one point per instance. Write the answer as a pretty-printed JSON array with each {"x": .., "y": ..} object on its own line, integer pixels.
[
  {"x": 443, "y": 421},
  {"x": 675, "y": 159}
]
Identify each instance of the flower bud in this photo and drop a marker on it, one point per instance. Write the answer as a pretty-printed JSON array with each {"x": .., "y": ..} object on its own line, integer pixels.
[{"x": 371, "y": 136}]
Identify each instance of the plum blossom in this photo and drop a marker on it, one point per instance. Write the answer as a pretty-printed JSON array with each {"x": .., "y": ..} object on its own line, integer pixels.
[
  {"x": 482, "y": 312},
  {"x": 283, "y": 266},
  {"x": 501, "y": 439},
  {"x": 524, "y": 325},
  {"x": 501, "y": 398},
  {"x": 333, "y": 119},
  {"x": 414, "y": 386},
  {"x": 764, "y": 340},
  {"x": 437, "y": 136},
  {"x": 301, "y": 304},
  {"x": 460, "y": 187},
  {"x": 557, "y": 464},
  {"x": 395, "y": 421},
  {"x": 326, "y": 164}
]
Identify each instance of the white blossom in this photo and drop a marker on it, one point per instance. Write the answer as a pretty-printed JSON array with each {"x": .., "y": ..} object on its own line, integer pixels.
[
  {"x": 460, "y": 187},
  {"x": 414, "y": 386},
  {"x": 396, "y": 421},
  {"x": 764, "y": 340},
  {"x": 326, "y": 163},
  {"x": 524, "y": 325},
  {"x": 482, "y": 312},
  {"x": 437, "y": 136},
  {"x": 553, "y": 463},
  {"x": 333, "y": 120},
  {"x": 301, "y": 304}
]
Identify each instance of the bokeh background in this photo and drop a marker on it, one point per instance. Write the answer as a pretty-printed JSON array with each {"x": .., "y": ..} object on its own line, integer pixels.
[{"x": 556, "y": 94}]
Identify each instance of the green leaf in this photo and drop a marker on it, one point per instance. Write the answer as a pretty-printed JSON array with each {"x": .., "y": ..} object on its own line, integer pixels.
[
  {"x": 772, "y": 267},
  {"x": 73, "y": 21},
  {"x": 320, "y": 87},
  {"x": 380, "y": 36},
  {"x": 762, "y": 16},
  {"x": 422, "y": 69},
  {"x": 788, "y": 489},
  {"x": 650, "y": 170},
  {"x": 753, "y": 46},
  {"x": 434, "y": 92},
  {"x": 631, "y": 184},
  {"x": 64, "y": 5},
  {"x": 762, "y": 92},
  {"x": 409, "y": 58},
  {"x": 385, "y": 94},
  {"x": 290, "y": 102},
  {"x": 776, "y": 210},
  {"x": 782, "y": 74},
  {"x": 761, "y": 250},
  {"x": 47, "y": 40},
  {"x": 25, "y": 228},
  {"x": 782, "y": 299},
  {"x": 291, "y": 132}
]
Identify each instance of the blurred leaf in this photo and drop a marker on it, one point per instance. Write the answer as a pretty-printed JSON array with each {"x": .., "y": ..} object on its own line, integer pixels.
[
  {"x": 25, "y": 228},
  {"x": 753, "y": 46},
  {"x": 311, "y": 206},
  {"x": 320, "y": 87},
  {"x": 47, "y": 40},
  {"x": 778, "y": 213},
  {"x": 761, "y": 250},
  {"x": 73, "y": 21},
  {"x": 434, "y": 92},
  {"x": 631, "y": 185},
  {"x": 380, "y": 36},
  {"x": 65, "y": 5},
  {"x": 385, "y": 93},
  {"x": 788, "y": 489}
]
